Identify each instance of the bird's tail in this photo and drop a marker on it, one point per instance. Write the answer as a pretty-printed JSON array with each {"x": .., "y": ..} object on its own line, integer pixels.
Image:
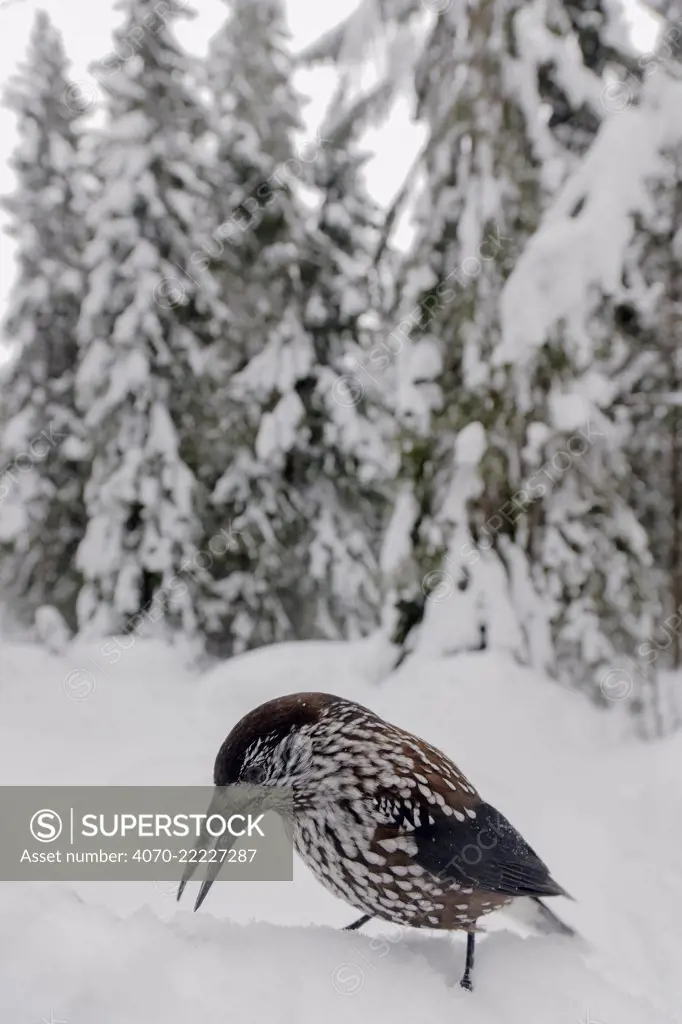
[{"x": 533, "y": 913}]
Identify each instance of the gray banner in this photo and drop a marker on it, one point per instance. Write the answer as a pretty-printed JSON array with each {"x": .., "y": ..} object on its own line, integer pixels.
[{"x": 144, "y": 833}]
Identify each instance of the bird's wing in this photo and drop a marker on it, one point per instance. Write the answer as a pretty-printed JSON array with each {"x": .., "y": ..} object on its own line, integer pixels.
[{"x": 474, "y": 847}]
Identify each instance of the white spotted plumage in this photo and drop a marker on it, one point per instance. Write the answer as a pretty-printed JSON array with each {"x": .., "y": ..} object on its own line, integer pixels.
[{"x": 341, "y": 801}]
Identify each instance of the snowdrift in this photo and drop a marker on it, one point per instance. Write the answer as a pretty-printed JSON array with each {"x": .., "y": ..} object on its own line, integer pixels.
[{"x": 81, "y": 964}]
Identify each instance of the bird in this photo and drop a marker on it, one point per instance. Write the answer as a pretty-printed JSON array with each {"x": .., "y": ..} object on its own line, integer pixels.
[{"x": 384, "y": 820}]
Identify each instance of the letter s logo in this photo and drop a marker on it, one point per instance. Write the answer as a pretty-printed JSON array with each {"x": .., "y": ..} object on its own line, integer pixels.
[{"x": 46, "y": 826}]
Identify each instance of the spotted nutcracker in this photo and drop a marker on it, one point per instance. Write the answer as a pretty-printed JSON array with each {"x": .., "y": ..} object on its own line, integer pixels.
[{"x": 383, "y": 819}]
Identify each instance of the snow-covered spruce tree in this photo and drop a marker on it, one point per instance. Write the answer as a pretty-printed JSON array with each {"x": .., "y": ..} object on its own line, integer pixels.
[
  {"x": 250, "y": 140},
  {"x": 477, "y": 206},
  {"x": 596, "y": 282},
  {"x": 339, "y": 462},
  {"x": 653, "y": 311},
  {"x": 254, "y": 128},
  {"x": 298, "y": 486},
  {"x": 254, "y": 249},
  {"x": 464, "y": 571},
  {"x": 41, "y": 482},
  {"x": 146, "y": 332},
  {"x": 647, "y": 316},
  {"x": 588, "y": 553},
  {"x": 511, "y": 94}
]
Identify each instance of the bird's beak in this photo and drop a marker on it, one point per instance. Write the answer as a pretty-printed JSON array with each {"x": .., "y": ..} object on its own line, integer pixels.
[
  {"x": 208, "y": 842},
  {"x": 227, "y": 800}
]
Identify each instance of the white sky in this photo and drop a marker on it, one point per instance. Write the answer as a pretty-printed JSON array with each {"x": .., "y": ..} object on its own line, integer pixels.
[{"x": 87, "y": 24}]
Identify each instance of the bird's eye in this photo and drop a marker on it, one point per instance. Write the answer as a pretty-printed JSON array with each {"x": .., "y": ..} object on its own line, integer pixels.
[{"x": 253, "y": 774}]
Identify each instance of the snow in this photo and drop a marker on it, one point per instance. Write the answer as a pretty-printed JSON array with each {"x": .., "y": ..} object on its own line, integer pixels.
[
  {"x": 584, "y": 236},
  {"x": 602, "y": 809},
  {"x": 51, "y": 628},
  {"x": 470, "y": 445},
  {"x": 159, "y": 972},
  {"x": 569, "y": 410},
  {"x": 279, "y": 429},
  {"x": 396, "y": 546}
]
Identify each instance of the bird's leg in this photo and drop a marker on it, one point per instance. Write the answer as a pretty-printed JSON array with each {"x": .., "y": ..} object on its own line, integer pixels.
[
  {"x": 466, "y": 977},
  {"x": 358, "y": 924}
]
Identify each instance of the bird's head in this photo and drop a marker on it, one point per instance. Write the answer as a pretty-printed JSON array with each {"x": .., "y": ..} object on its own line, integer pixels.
[
  {"x": 271, "y": 748},
  {"x": 273, "y": 744}
]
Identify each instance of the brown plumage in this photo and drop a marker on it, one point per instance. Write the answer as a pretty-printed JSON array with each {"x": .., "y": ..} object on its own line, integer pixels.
[{"x": 383, "y": 819}]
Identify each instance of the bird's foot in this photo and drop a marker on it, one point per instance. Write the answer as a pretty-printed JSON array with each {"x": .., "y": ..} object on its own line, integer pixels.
[
  {"x": 469, "y": 966},
  {"x": 358, "y": 924}
]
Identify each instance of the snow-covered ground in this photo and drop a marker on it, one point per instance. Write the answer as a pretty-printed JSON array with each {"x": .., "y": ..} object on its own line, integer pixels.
[{"x": 604, "y": 811}]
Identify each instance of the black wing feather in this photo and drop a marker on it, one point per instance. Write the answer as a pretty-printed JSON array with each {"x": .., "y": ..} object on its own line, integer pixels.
[{"x": 485, "y": 852}]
